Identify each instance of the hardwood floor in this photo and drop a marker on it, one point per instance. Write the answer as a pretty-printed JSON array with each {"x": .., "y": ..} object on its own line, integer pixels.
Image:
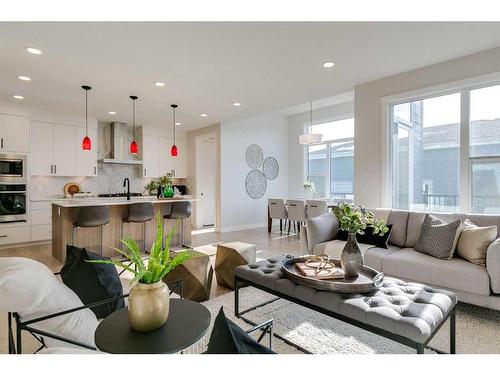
[{"x": 268, "y": 245}]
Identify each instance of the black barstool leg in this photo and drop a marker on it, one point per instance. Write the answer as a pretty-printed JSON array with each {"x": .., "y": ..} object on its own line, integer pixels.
[
  {"x": 289, "y": 223},
  {"x": 281, "y": 225}
]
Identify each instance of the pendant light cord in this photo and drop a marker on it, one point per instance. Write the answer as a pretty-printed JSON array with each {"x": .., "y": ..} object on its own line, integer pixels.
[
  {"x": 86, "y": 114},
  {"x": 133, "y": 116},
  {"x": 174, "y": 126}
]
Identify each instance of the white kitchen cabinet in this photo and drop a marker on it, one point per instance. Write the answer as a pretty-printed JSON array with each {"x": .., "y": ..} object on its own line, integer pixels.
[
  {"x": 151, "y": 157},
  {"x": 180, "y": 162},
  {"x": 86, "y": 161},
  {"x": 42, "y": 156},
  {"x": 14, "y": 133},
  {"x": 16, "y": 234},
  {"x": 168, "y": 163},
  {"x": 64, "y": 150},
  {"x": 57, "y": 151},
  {"x": 41, "y": 221}
]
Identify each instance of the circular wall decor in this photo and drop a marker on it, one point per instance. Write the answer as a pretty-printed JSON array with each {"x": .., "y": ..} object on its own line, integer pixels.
[
  {"x": 271, "y": 168},
  {"x": 254, "y": 156},
  {"x": 256, "y": 184}
]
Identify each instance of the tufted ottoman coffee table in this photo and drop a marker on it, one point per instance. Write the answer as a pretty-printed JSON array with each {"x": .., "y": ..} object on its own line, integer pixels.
[{"x": 408, "y": 313}]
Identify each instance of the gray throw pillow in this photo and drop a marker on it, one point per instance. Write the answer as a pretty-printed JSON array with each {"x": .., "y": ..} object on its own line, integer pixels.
[{"x": 438, "y": 238}]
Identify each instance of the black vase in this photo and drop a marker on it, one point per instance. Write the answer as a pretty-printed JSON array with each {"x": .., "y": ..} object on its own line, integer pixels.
[{"x": 352, "y": 258}]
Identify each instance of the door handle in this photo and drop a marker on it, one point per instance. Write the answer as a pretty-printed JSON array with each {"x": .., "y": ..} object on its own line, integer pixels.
[
  {"x": 2, "y": 143},
  {"x": 55, "y": 168},
  {"x": 51, "y": 169},
  {"x": 3, "y": 236}
]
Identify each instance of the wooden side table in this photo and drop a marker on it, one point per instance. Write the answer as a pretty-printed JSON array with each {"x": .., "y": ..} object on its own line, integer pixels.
[
  {"x": 196, "y": 274},
  {"x": 229, "y": 256}
]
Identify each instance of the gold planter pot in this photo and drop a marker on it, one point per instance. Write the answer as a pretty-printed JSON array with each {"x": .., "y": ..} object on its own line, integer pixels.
[{"x": 148, "y": 306}]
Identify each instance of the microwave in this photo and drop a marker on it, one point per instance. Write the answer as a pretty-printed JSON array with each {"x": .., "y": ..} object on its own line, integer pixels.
[{"x": 12, "y": 168}]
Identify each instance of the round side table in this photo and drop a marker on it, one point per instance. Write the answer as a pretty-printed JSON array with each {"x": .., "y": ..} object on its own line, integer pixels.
[{"x": 187, "y": 323}]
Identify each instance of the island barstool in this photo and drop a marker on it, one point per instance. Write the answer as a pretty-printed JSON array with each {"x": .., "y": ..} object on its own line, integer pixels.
[
  {"x": 180, "y": 211},
  {"x": 139, "y": 213},
  {"x": 91, "y": 217}
]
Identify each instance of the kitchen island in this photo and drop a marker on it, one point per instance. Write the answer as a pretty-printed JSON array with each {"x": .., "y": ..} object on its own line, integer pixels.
[{"x": 64, "y": 214}]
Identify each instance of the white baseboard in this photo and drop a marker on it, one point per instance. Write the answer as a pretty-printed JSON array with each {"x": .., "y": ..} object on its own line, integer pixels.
[{"x": 242, "y": 227}]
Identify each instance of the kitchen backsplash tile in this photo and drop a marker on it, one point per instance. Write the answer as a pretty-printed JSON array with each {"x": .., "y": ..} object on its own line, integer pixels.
[{"x": 109, "y": 180}]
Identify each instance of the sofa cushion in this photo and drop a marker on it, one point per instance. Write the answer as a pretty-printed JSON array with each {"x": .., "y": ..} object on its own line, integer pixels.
[
  {"x": 437, "y": 238},
  {"x": 455, "y": 274},
  {"x": 321, "y": 228},
  {"x": 334, "y": 248},
  {"x": 399, "y": 221},
  {"x": 374, "y": 256},
  {"x": 416, "y": 219},
  {"x": 474, "y": 242}
]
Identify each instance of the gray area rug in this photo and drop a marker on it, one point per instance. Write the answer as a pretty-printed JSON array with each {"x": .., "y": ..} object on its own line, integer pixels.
[{"x": 478, "y": 329}]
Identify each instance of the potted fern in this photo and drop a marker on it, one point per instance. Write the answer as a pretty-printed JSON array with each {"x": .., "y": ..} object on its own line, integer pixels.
[
  {"x": 149, "y": 299},
  {"x": 354, "y": 221}
]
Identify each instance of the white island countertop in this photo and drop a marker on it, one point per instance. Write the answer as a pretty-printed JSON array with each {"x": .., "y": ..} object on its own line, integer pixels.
[{"x": 94, "y": 201}]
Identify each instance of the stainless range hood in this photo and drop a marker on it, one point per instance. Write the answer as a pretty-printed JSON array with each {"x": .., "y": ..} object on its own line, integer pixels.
[{"x": 115, "y": 144}]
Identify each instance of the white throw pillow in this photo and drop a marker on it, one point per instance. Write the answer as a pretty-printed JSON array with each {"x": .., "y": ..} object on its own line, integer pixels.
[
  {"x": 474, "y": 242},
  {"x": 31, "y": 289}
]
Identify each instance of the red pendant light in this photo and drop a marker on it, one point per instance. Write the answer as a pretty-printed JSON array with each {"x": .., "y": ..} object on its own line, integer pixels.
[
  {"x": 86, "y": 143},
  {"x": 173, "y": 150},
  {"x": 134, "y": 149}
]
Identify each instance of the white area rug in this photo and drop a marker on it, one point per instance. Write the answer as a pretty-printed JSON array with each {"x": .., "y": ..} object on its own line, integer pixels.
[{"x": 478, "y": 329}]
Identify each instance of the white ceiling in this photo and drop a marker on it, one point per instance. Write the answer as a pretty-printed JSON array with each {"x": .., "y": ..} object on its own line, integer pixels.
[{"x": 208, "y": 66}]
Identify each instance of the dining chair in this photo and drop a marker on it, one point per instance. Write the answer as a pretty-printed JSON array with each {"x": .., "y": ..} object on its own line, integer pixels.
[
  {"x": 296, "y": 213},
  {"x": 316, "y": 207},
  {"x": 278, "y": 211}
]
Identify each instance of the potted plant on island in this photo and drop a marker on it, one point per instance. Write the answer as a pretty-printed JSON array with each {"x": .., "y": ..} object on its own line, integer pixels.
[
  {"x": 149, "y": 299},
  {"x": 354, "y": 221}
]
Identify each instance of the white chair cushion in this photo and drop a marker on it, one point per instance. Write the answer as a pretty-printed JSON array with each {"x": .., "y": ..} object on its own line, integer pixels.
[{"x": 31, "y": 289}]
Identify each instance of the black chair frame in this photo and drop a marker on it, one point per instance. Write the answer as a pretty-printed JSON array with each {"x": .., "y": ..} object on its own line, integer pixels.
[{"x": 15, "y": 347}]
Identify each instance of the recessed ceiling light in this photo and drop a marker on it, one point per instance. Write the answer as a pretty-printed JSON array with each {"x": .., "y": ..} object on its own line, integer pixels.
[
  {"x": 236, "y": 104},
  {"x": 34, "y": 51},
  {"x": 19, "y": 97},
  {"x": 159, "y": 84},
  {"x": 328, "y": 64},
  {"x": 203, "y": 115},
  {"x": 178, "y": 123},
  {"x": 112, "y": 112},
  {"x": 24, "y": 78}
]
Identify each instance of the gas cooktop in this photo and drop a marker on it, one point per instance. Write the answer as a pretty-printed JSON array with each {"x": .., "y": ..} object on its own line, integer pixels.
[{"x": 116, "y": 195}]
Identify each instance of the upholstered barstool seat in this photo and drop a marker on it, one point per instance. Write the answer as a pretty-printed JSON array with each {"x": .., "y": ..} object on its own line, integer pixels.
[
  {"x": 91, "y": 217},
  {"x": 139, "y": 213},
  {"x": 180, "y": 211}
]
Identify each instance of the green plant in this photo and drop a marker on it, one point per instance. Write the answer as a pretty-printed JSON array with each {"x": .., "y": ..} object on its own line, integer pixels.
[
  {"x": 159, "y": 263},
  {"x": 165, "y": 180},
  {"x": 152, "y": 186},
  {"x": 355, "y": 220},
  {"x": 308, "y": 185}
]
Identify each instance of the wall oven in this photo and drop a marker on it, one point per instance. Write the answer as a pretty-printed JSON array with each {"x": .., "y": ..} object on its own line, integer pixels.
[{"x": 13, "y": 188}]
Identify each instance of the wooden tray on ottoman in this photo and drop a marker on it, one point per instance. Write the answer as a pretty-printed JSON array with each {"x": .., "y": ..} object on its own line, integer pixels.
[{"x": 367, "y": 281}]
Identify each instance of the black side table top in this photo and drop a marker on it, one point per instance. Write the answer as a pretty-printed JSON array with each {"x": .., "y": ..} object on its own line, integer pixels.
[{"x": 187, "y": 323}]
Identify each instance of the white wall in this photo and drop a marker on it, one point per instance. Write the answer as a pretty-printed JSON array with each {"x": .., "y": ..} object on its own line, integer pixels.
[
  {"x": 296, "y": 151},
  {"x": 269, "y": 131},
  {"x": 370, "y": 152}
]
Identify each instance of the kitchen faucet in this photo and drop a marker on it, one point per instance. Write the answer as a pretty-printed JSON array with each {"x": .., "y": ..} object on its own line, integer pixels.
[{"x": 126, "y": 182}]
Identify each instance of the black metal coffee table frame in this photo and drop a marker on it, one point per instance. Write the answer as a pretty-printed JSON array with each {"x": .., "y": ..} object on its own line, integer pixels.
[{"x": 240, "y": 282}]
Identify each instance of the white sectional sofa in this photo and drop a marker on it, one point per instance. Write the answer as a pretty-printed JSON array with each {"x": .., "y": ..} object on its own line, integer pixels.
[{"x": 472, "y": 283}]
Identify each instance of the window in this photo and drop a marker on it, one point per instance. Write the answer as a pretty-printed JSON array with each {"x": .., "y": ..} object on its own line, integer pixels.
[
  {"x": 330, "y": 164},
  {"x": 484, "y": 146},
  {"x": 429, "y": 158}
]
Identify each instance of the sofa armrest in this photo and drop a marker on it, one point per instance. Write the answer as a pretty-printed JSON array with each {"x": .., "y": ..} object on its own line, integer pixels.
[
  {"x": 320, "y": 229},
  {"x": 493, "y": 265}
]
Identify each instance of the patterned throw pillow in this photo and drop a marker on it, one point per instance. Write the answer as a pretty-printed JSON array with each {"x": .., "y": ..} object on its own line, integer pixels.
[{"x": 438, "y": 238}]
